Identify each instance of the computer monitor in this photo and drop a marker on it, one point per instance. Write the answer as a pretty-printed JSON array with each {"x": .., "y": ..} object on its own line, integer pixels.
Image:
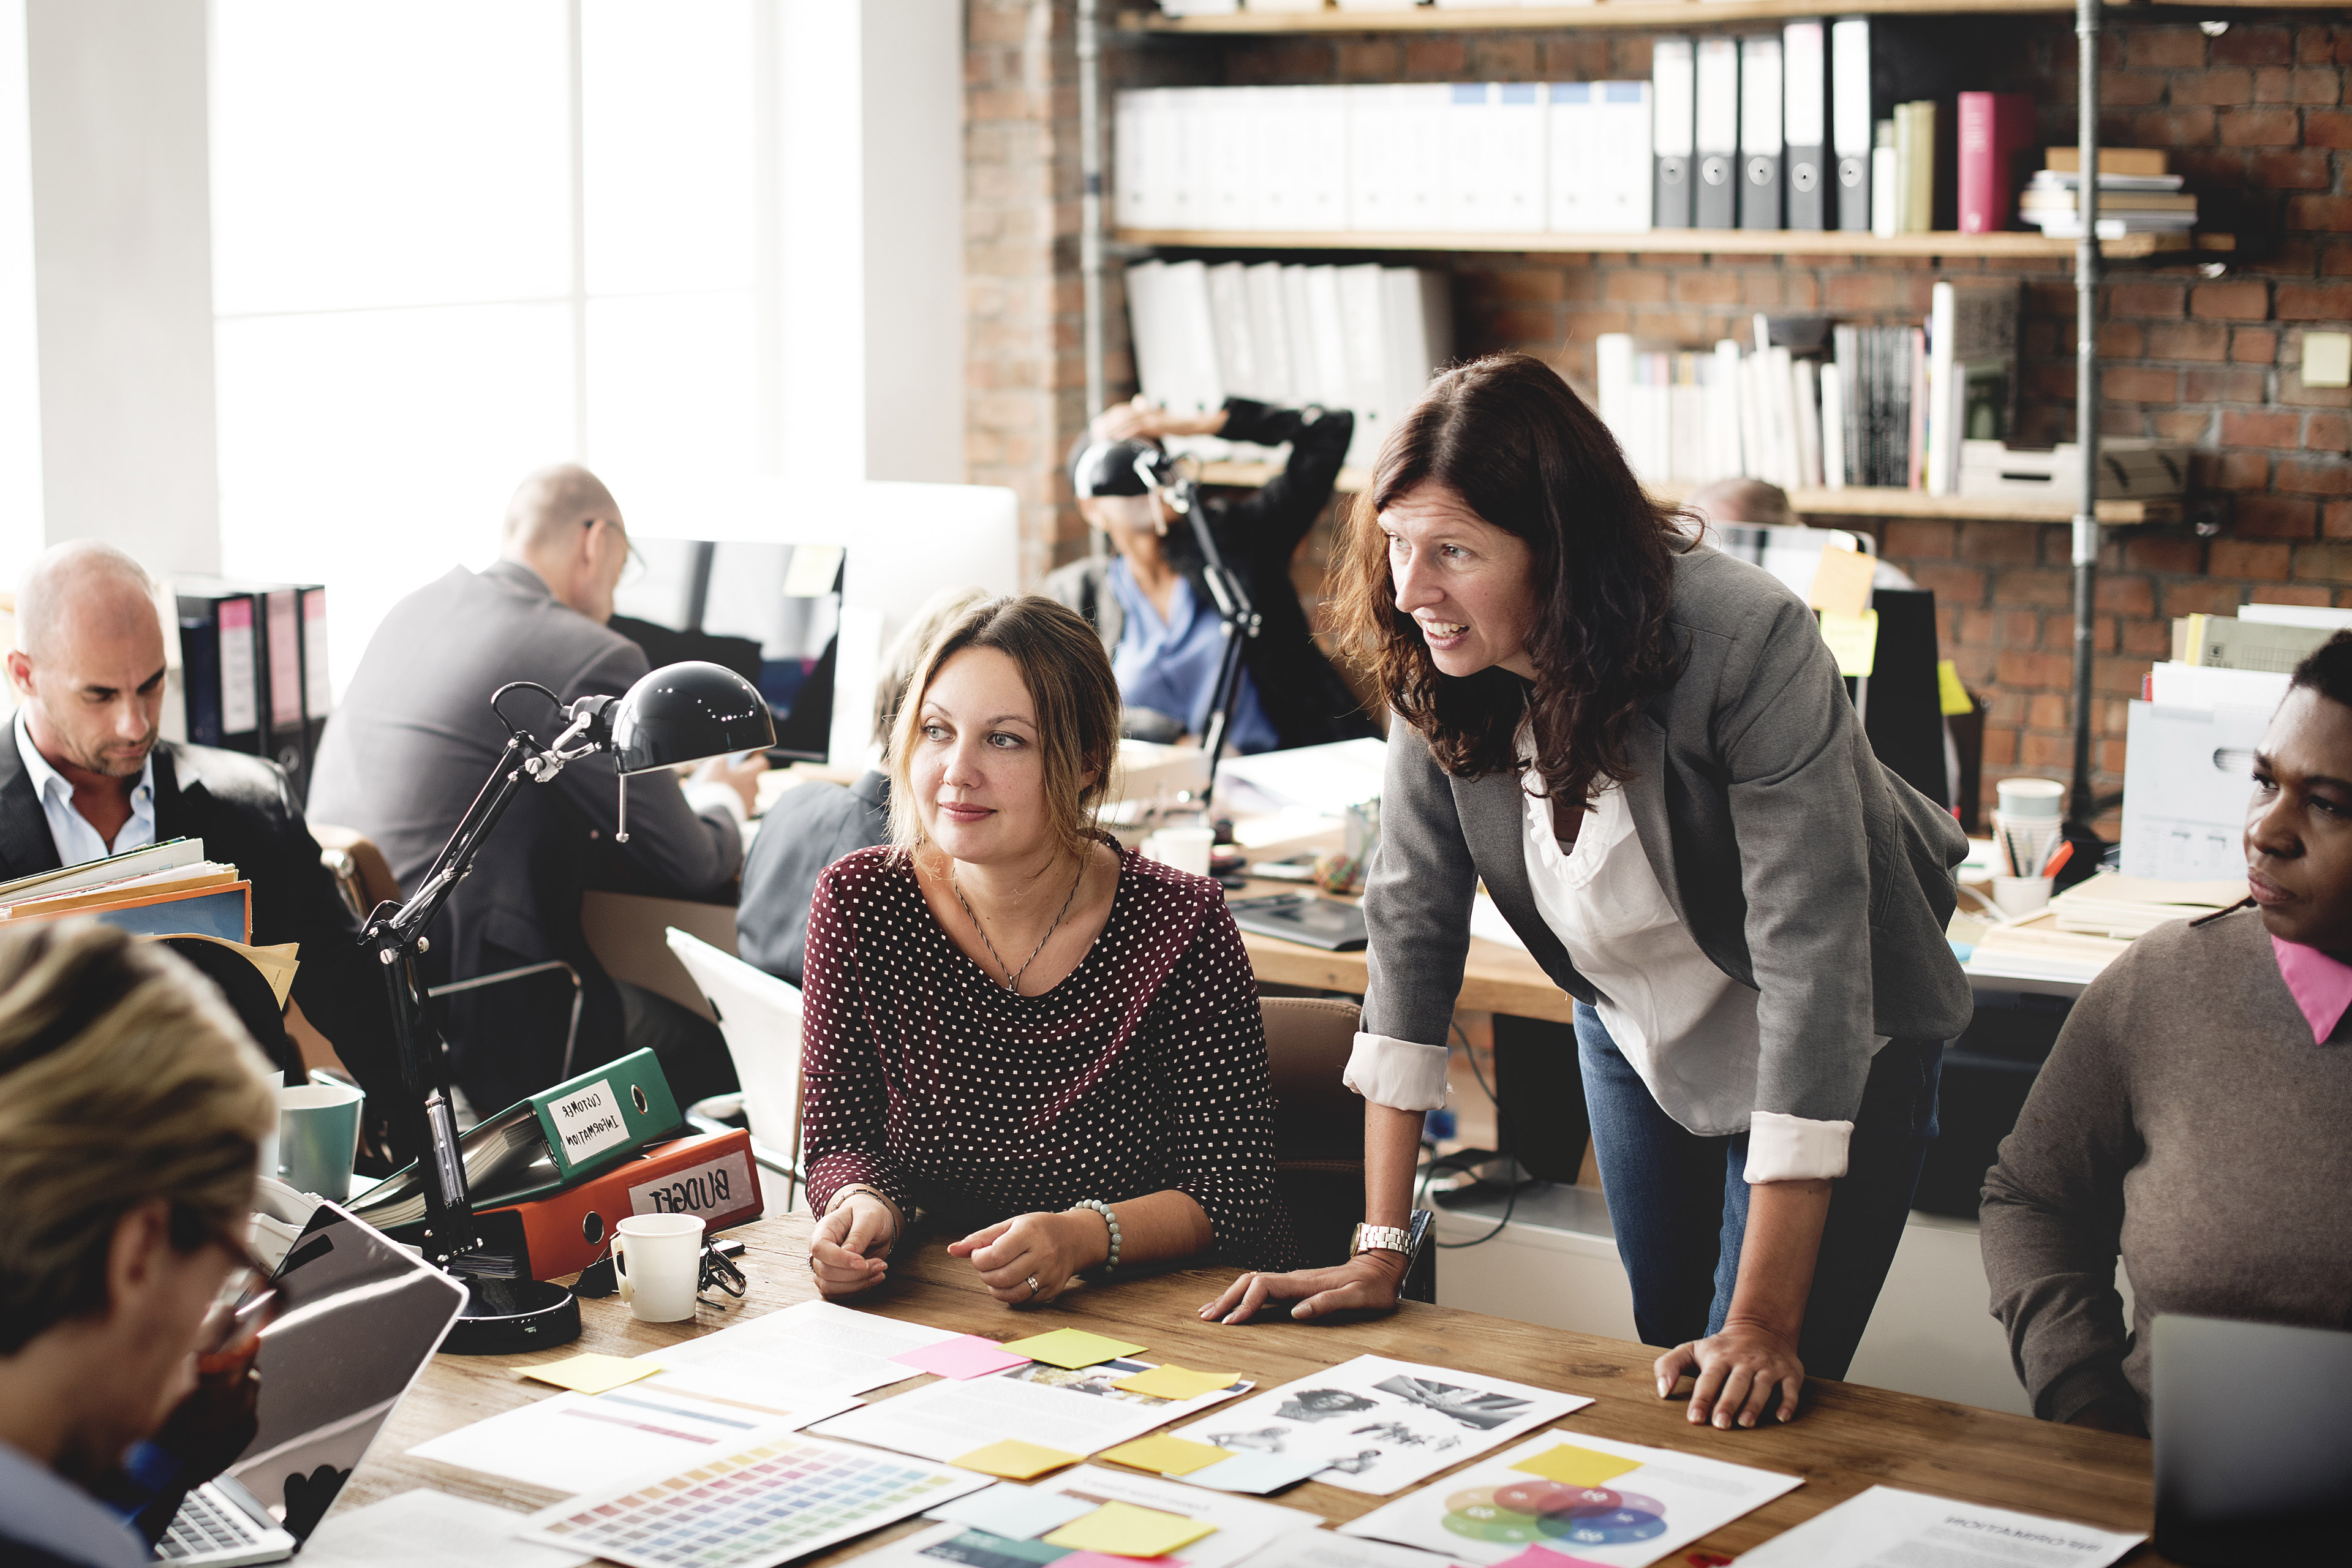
[
  {"x": 2253, "y": 1460},
  {"x": 899, "y": 544}
]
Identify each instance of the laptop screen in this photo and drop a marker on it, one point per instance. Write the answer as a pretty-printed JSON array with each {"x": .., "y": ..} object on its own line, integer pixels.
[{"x": 365, "y": 1316}]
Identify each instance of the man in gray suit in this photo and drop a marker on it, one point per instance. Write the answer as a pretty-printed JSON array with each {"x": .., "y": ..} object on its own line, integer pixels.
[{"x": 415, "y": 737}]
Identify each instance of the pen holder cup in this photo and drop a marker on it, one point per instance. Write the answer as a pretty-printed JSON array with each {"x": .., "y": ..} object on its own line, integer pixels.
[{"x": 2017, "y": 897}]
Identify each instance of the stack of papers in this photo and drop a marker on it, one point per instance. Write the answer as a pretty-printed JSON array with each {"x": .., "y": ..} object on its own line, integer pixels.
[
  {"x": 1883, "y": 1525},
  {"x": 2128, "y": 907},
  {"x": 2041, "y": 951},
  {"x": 1118, "y": 1515}
]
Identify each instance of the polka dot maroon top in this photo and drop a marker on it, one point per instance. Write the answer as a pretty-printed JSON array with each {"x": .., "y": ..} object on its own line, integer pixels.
[{"x": 1144, "y": 1069}]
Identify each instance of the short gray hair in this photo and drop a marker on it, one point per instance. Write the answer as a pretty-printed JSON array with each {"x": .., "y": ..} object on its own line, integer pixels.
[{"x": 50, "y": 583}]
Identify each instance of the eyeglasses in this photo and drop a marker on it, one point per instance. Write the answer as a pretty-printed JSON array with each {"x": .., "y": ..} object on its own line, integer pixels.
[
  {"x": 634, "y": 569},
  {"x": 247, "y": 1303}
]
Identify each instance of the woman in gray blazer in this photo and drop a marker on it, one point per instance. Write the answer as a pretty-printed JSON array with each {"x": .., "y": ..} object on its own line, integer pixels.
[{"x": 1644, "y": 748}]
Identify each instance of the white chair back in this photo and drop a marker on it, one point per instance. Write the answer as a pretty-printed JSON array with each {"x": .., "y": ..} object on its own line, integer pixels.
[{"x": 760, "y": 1017}]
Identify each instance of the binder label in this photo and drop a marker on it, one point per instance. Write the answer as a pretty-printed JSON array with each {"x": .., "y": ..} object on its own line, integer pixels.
[
  {"x": 239, "y": 679},
  {"x": 589, "y": 1120},
  {"x": 716, "y": 1188}
]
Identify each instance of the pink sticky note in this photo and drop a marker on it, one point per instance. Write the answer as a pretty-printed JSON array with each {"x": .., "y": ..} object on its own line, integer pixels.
[
  {"x": 1538, "y": 1557},
  {"x": 966, "y": 1355},
  {"x": 1105, "y": 1559}
]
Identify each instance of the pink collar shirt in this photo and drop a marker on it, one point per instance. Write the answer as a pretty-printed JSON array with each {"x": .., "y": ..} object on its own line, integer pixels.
[{"x": 2321, "y": 984}]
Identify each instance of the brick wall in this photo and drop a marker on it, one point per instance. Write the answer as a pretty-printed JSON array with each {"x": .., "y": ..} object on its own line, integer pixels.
[{"x": 2259, "y": 120}]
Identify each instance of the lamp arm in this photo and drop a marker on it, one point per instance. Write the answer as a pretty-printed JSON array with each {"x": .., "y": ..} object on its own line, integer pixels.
[{"x": 1241, "y": 619}]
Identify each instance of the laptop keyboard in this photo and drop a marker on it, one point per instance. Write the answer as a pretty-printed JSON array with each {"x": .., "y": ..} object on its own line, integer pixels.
[{"x": 203, "y": 1526}]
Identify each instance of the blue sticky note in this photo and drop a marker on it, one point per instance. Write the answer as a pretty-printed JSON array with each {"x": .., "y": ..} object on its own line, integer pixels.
[
  {"x": 1260, "y": 1473},
  {"x": 1014, "y": 1512}
]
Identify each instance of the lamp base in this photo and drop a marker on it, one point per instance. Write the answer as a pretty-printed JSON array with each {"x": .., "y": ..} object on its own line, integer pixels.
[{"x": 504, "y": 1316}]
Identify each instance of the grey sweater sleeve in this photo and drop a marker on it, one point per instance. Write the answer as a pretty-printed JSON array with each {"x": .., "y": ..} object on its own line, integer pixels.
[
  {"x": 1417, "y": 898},
  {"x": 2053, "y": 1218}
]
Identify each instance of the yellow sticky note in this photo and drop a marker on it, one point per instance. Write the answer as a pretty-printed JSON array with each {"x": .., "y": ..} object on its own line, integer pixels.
[
  {"x": 1176, "y": 1383},
  {"x": 1842, "y": 582},
  {"x": 1853, "y": 641},
  {"x": 1124, "y": 1529},
  {"x": 1071, "y": 1348},
  {"x": 1953, "y": 696},
  {"x": 593, "y": 1373},
  {"x": 1015, "y": 1459},
  {"x": 1573, "y": 1467},
  {"x": 1166, "y": 1455}
]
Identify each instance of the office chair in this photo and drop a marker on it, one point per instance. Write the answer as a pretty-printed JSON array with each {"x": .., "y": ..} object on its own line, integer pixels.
[
  {"x": 760, "y": 1017},
  {"x": 364, "y": 876}
]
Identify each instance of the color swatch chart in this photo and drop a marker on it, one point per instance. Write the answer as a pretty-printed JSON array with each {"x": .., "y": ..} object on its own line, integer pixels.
[{"x": 766, "y": 1504}]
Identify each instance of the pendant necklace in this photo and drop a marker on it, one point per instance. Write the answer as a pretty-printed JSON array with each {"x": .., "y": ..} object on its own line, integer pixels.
[{"x": 1013, "y": 983}]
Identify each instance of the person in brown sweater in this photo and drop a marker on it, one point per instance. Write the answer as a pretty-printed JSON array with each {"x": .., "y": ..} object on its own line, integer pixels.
[{"x": 2191, "y": 1115}]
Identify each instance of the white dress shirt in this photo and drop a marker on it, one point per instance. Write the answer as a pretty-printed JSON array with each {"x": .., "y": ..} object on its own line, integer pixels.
[
  {"x": 76, "y": 839},
  {"x": 1688, "y": 1029}
]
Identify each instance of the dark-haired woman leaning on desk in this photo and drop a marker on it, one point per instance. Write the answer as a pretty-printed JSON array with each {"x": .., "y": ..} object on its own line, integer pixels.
[{"x": 2191, "y": 1117}]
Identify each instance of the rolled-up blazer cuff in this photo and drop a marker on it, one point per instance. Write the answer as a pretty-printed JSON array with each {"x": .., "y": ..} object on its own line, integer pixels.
[
  {"x": 1398, "y": 1074},
  {"x": 1793, "y": 1148}
]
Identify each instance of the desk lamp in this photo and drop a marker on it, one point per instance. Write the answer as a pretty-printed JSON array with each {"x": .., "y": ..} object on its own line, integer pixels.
[
  {"x": 679, "y": 713},
  {"x": 1164, "y": 476}
]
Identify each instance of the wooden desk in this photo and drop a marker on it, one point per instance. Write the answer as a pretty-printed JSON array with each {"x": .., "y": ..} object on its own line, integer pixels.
[
  {"x": 1848, "y": 1437},
  {"x": 1496, "y": 978}
]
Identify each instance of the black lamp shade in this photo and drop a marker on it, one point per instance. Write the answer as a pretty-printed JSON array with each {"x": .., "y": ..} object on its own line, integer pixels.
[{"x": 685, "y": 713}]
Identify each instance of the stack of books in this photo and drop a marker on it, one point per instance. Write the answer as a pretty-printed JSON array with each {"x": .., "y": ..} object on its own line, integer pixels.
[
  {"x": 2136, "y": 196},
  {"x": 162, "y": 890}
]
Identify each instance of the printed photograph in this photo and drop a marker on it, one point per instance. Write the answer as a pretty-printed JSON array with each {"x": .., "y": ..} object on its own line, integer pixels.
[
  {"x": 1325, "y": 1404},
  {"x": 1471, "y": 1406}
]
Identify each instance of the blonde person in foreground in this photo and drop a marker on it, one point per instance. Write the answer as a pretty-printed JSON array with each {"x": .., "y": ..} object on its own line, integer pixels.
[
  {"x": 2191, "y": 1117},
  {"x": 1644, "y": 748},
  {"x": 131, "y": 1112},
  {"x": 1048, "y": 1046}
]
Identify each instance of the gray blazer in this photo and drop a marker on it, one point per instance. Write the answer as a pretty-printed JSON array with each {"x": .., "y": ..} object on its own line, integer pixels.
[
  {"x": 410, "y": 746},
  {"x": 1802, "y": 866}
]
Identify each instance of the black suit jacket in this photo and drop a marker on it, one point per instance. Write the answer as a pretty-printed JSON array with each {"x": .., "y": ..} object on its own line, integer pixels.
[
  {"x": 242, "y": 810},
  {"x": 807, "y": 829}
]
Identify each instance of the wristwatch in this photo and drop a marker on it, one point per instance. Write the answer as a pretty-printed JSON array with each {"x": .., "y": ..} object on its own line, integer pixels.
[{"x": 1381, "y": 1238}]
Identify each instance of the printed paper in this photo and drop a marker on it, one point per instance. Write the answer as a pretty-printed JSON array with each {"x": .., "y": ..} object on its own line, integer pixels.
[
  {"x": 1492, "y": 1512},
  {"x": 1380, "y": 1425},
  {"x": 816, "y": 1347},
  {"x": 1885, "y": 1525},
  {"x": 1080, "y": 1412}
]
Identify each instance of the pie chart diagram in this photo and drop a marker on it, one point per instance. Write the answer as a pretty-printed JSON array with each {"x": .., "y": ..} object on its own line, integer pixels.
[{"x": 1540, "y": 1512}]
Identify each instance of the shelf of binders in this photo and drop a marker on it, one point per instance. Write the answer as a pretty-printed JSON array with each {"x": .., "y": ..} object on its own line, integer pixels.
[
  {"x": 1686, "y": 241},
  {"x": 1637, "y": 14},
  {"x": 1854, "y": 501}
]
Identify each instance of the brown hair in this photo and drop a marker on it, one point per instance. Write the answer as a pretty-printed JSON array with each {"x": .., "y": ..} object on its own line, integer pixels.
[
  {"x": 1529, "y": 456},
  {"x": 124, "y": 1079},
  {"x": 1069, "y": 679}
]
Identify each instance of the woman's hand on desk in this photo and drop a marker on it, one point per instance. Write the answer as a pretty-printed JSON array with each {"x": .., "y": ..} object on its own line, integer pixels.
[
  {"x": 1046, "y": 1247},
  {"x": 1367, "y": 1283},
  {"x": 1736, "y": 1372},
  {"x": 849, "y": 1249}
]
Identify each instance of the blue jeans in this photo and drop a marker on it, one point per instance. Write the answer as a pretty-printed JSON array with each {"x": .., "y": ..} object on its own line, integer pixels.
[{"x": 1679, "y": 1202}]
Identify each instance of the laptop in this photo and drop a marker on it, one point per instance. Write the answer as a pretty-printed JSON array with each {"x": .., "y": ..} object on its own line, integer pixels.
[
  {"x": 2253, "y": 1454},
  {"x": 366, "y": 1316}
]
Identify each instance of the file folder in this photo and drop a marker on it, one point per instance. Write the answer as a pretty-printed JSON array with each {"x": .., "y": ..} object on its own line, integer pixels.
[
  {"x": 1620, "y": 110},
  {"x": 547, "y": 1236},
  {"x": 1760, "y": 131},
  {"x": 1715, "y": 194},
  {"x": 1672, "y": 131},
  {"x": 220, "y": 663},
  {"x": 1850, "y": 126},
  {"x": 1575, "y": 184},
  {"x": 1804, "y": 85}
]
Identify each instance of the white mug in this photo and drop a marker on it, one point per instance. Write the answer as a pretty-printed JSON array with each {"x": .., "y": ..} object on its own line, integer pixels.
[
  {"x": 1185, "y": 849},
  {"x": 657, "y": 1264}
]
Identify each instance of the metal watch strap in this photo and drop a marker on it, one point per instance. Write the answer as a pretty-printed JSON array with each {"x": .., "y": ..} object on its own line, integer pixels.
[{"x": 1381, "y": 1238}]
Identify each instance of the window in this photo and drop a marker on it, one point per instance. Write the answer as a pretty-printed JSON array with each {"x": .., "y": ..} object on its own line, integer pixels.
[{"x": 453, "y": 241}]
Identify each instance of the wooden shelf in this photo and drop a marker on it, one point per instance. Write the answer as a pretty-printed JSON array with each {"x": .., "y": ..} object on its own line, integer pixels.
[
  {"x": 1682, "y": 242},
  {"x": 1652, "y": 13},
  {"x": 1814, "y": 504}
]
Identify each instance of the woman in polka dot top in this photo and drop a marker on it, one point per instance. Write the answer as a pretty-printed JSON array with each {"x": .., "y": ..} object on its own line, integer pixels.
[{"x": 1007, "y": 1017}]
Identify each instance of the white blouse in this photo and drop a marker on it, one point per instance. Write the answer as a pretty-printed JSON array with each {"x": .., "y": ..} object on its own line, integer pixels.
[{"x": 1688, "y": 1029}]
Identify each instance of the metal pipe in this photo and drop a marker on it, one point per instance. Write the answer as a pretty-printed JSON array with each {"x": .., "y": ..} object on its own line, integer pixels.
[{"x": 2086, "y": 400}]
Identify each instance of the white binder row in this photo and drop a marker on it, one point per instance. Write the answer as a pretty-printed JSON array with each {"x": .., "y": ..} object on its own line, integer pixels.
[
  {"x": 1409, "y": 158},
  {"x": 1692, "y": 416},
  {"x": 1364, "y": 338}
]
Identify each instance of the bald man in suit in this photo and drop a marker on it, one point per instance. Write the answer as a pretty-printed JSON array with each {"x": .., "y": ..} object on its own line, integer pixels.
[{"x": 414, "y": 739}]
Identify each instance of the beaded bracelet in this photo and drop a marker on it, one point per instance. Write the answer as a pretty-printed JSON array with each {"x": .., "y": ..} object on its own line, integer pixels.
[{"x": 1110, "y": 1219}]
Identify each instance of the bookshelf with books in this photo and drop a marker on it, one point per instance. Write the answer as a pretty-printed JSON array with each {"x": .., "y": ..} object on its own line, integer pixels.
[{"x": 1557, "y": 290}]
